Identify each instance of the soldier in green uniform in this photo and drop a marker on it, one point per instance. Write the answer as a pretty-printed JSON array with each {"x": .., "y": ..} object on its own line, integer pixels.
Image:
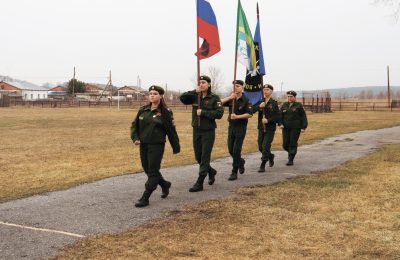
[
  {"x": 268, "y": 117},
  {"x": 203, "y": 123},
  {"x": 294, "y": 122},
  {"x": 239, "y": 112},
  {"x": 152, "y": 124}
]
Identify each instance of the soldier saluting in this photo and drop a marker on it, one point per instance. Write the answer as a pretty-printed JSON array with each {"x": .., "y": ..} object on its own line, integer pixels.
[
  {"x": 294, "y": 122},
  {"x": 152, "y": 124},
  {"x": 239, "y": 112},
  {"x": 203, "y": 123}
]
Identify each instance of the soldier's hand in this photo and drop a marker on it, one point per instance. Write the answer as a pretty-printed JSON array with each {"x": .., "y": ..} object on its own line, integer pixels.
[
  {"x": 173, "y": 122},
  {"x": 199, "y": 112},
  {"x": 303, "y": 130},
  {"x": 234, "y": 116},
  {"x": 264, "y": 121},
  {"x": 198, "y": 89},
  {"x": 136, "y": 142},
  {"x": 233, "y": 95},
  {"x": 262, "y": 104}
]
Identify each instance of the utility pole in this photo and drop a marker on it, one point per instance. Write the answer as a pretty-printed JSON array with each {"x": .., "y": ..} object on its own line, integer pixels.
[
  {"x": 388, "y": 84},
  {"x": 73, "y": 87},
  {"x": 110, "y": 87},
  {"x": 118, "y": 99},
  {"x": 138, "y": 82}
]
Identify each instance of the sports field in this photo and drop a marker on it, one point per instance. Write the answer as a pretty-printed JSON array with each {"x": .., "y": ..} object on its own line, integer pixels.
[{"x": 50, "y": 149}]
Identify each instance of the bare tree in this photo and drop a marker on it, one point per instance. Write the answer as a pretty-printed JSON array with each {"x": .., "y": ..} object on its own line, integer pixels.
[
  {"x": 380, "y": 95},
  {"x": 362, "y": 94},
  {"x": 217, "y": 79},
  {"x": 393, "y": 3},
  {"x": 370, "y": 94}
]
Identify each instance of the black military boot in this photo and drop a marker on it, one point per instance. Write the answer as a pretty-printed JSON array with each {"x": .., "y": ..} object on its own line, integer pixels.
[
  {"x": 198, "y": 186},
  {"x": 241, "y": 167},
  {"x": 271, "y": 160},
  {"x": 290, "y": 161},
  {"x": 262, "y": 166},
  {"x": 211, "y": 176},
  {"x": 233, "y": 174},
  {"x": 165, "y": 185},
  {"x": 144, "y": 200}
]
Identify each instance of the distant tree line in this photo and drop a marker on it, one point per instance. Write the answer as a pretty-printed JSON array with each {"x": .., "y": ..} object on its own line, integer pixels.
[{"x": 369, "y": 94}]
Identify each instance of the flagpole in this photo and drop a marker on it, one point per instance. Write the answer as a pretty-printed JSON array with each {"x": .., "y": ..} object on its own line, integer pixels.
[
  {"x": 236, "y": 46},
  {"x": 262, "y": 77},
  {"x": 258, "y": 20},
  {"x": 198, "y": 62}
]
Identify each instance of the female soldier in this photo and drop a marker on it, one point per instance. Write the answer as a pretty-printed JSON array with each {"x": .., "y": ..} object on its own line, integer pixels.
[
  {"x": 294, "y": 120},
  {"x": 268, "y": 117},
  {"x": 152, "y": 123},
  {"x": 203, "y": 123},
  {"x": 239, "y": 112}
]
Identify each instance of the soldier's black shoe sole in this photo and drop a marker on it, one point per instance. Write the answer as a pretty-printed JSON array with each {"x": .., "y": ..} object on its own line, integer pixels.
[
  {"x": 271, "y": 160},
  {"x": 289, "y": 163},
  {"x": 232, "y": 178},
  {"x": 241, "y": 167},
  {"x": 195, "y": 189},
  {"x": 142, "y": 203},
  {"x": 261, "y": 170},
  {"x": 211, "y": 176},
  {"x": 165, "y": 190}
]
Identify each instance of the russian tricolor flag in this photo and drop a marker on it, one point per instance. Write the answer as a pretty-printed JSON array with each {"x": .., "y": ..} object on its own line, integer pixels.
[{"x": 207, "y": 29}]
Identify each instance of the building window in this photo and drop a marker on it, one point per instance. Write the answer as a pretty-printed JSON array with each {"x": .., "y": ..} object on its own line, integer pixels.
[{"x": 31, "y": 96}]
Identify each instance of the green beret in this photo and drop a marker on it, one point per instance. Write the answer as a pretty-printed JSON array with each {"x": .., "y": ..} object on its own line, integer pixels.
[
  {"x": 268, "y": 86},
  {"x": 159, "y": 89},
  {"x": 291, "y": 92},
  {"x": 239, "y": 82},
  {"x": 206, "y": 78}
]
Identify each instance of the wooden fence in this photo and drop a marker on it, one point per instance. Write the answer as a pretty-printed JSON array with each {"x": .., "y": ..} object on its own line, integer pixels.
[{"x": 316, "y": 105}]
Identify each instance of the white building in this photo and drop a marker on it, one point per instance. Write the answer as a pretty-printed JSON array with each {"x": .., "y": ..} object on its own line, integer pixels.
[{"x": 28, "y": 91}]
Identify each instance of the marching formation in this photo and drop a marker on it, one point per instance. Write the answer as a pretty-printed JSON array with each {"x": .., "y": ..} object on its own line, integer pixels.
[{"x": 154, "y": 122}]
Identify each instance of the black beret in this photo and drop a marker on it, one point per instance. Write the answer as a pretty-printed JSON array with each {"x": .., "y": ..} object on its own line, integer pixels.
[
  {"x": 291, "y": 92},
  {"x": 159, "y": 89},
  {"x": 206, "y": 78},
  {"x": 268, "y": 86},
  {"x": 238, "y": 81}
]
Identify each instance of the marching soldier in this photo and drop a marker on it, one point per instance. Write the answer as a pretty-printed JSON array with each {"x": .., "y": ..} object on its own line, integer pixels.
[
  {"x": 152, "y": 123},
  {"x": 268, "y": 117},
  {"x": 239, "y": 112},
  {"x": 203, "y": 123},
  {"x": 294, "y": 122}
]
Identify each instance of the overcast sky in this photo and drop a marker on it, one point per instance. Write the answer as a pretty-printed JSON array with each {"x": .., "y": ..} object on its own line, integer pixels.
[{"x": 307, "y": 44}]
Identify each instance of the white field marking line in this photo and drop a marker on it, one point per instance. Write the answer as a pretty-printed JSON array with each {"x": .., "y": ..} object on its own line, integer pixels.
[{"x": 42, "y": 229}]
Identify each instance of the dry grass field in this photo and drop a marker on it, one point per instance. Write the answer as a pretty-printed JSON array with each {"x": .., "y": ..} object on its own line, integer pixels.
[
  {"x": 352, "y": 211},
  {"x": 50, "y": 149}
]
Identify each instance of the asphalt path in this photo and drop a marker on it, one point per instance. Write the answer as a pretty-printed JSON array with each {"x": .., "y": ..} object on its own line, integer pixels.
[{"x": 38, "y": 227}]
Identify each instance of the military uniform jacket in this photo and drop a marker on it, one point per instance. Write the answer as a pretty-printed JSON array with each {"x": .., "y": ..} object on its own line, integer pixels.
[
  {"x": 242, "y": 106},
  {"x": 294, "y": 116},
  {"x": 271, "y": 113},
  {"x": 151, "y": 127},
  {"x": 211, "y": 109}
]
